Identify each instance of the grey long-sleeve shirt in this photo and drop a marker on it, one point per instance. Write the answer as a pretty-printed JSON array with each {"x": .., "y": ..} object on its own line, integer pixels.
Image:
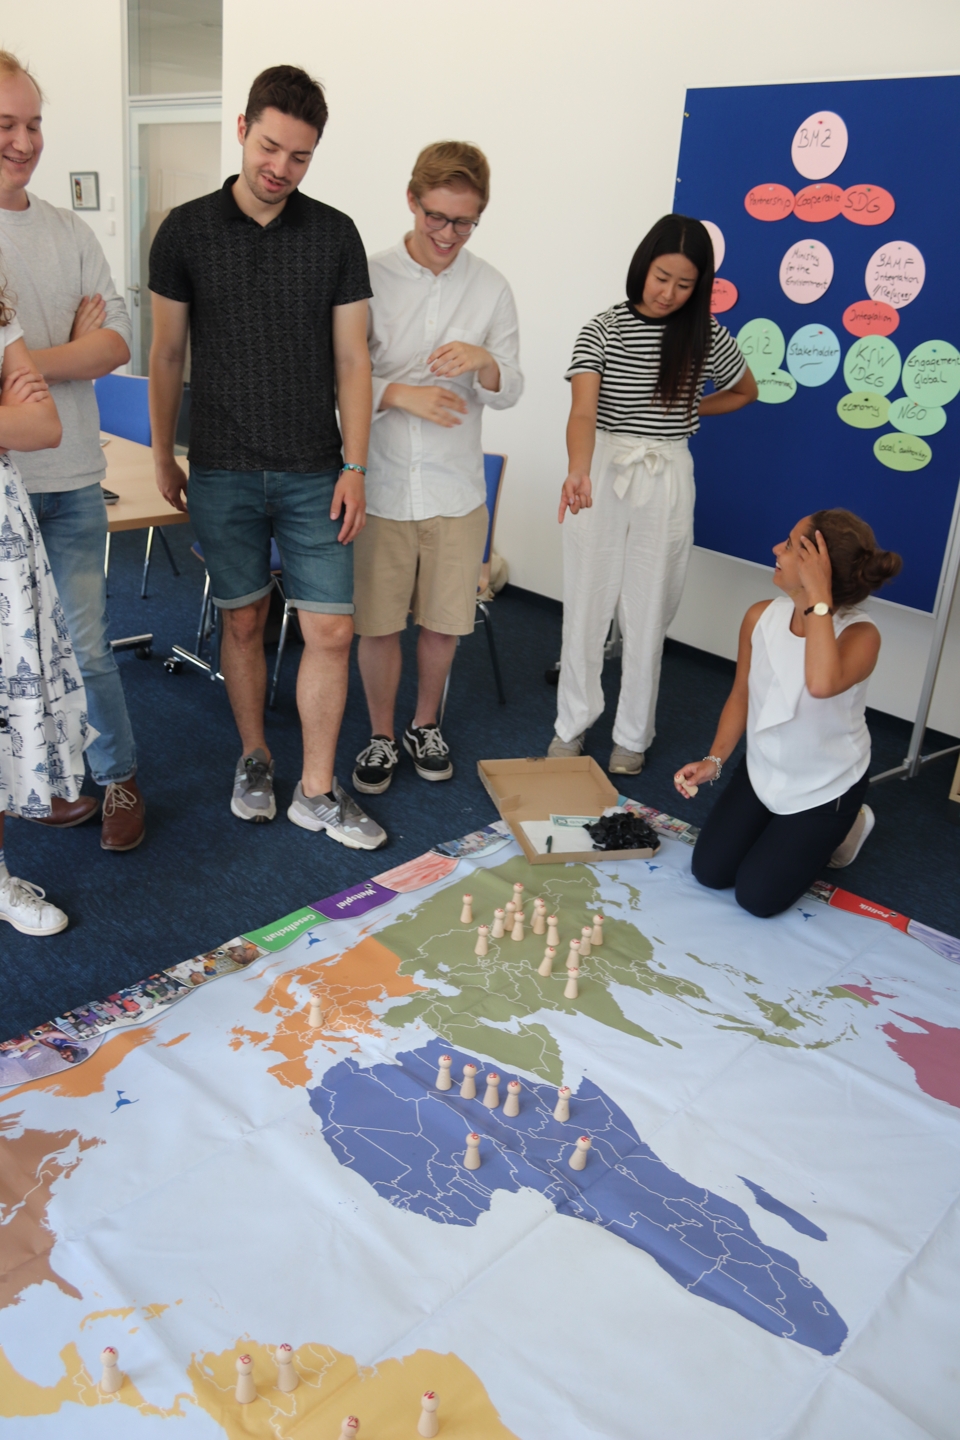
[{"x": 50, "y": 259}]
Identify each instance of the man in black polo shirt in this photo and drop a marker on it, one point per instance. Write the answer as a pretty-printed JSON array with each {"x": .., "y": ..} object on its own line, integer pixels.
[{"x": 272, "y": 289}]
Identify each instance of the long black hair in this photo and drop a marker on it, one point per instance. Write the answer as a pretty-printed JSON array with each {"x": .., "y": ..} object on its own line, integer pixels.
[{"x": 686, "y": 334}]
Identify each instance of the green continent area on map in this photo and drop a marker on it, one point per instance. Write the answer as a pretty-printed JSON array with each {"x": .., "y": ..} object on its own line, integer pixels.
[
  {"x": 407, "y": 1139},
  {"x": 503, "y": 988}
]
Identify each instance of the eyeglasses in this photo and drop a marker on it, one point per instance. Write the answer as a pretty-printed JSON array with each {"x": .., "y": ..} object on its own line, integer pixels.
[{"x": 435, "y": 221}]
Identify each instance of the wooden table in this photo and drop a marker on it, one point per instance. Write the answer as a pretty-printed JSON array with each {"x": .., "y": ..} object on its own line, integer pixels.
[{"x": 130, "y": 474}]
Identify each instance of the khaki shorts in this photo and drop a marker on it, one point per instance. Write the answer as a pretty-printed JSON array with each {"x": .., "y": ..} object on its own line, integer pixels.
[{"x": 428, "y": 566}]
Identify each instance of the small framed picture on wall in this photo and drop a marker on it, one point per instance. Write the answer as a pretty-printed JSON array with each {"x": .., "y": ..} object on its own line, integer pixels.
[{"x": 85, "y": 189}]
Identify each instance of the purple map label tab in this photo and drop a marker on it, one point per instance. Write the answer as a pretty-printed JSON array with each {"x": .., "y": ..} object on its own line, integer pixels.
[{"x": 355, "y": 901}]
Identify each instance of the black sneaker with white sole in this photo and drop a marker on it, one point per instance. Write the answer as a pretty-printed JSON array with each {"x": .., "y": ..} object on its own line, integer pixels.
[
  {"x": 375, "y": 766},
  {"x": 429, "y": 751}
]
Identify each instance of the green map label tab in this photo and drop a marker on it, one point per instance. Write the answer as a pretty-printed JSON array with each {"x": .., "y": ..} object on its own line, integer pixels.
[{"x": 283, "y": 932}]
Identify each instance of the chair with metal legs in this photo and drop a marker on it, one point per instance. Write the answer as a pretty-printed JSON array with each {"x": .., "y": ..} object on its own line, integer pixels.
[
  {"x": 494, "y": 468},
  {"x": 208, "y": 628}
]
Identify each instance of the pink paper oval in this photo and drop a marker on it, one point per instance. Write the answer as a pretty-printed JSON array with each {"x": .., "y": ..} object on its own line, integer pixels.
[
  {"x": 769, "y": 202},
  {"x": 723, "y": 296},
  {"x": 867, "y": 204},
  {"x": 870, "y": 317},
  {"x": 818, "y": 202}
]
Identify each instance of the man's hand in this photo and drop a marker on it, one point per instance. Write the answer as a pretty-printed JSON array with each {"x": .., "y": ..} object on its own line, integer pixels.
[
  {"x": 24, "y": 387},
  {"x": 459, "y": 358},
  {"x": 171, "y": 482},
  {"x": 428, "y": 402},
  {"x": 91, "y": 313},
  {"x": 576, "y": 495},
  {"x": 349, "y": 499}
]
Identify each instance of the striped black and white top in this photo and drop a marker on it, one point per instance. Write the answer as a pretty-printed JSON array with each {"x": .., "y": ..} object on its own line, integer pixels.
[{"x": 624, "y": 348}]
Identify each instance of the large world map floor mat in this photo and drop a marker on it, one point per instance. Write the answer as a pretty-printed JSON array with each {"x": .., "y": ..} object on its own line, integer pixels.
[{"x": 703, "y": 1182}]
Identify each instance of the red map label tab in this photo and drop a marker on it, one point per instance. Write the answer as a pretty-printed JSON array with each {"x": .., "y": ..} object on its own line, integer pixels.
[{"x": 844, "y": 900}]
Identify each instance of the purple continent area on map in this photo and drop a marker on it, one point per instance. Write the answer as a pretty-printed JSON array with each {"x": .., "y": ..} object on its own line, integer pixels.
[{"x": 406, "y": 1138}]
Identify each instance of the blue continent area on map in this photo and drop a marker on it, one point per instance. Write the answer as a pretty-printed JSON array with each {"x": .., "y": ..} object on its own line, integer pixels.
[
  {"x": 407, "y": 1139},
  {"x": 766, "y": 1201}
]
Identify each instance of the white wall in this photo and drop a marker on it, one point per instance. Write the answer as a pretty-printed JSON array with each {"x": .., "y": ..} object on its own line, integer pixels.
[
  {"x": 76, "y": 52},
  {"x": 579, "y": 111}
]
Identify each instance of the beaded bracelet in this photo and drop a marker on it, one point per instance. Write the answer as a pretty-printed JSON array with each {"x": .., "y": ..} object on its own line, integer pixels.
[
  {"x": 719, "y": 764},
  {"x": 362, "y": 468}
]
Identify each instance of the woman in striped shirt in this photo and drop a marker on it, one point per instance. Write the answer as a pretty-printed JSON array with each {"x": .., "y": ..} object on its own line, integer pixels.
[{"x": 637, "y": 379}]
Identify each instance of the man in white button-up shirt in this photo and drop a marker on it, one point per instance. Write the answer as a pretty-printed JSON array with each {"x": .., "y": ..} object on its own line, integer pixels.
[{"x": 443, "y": 341}]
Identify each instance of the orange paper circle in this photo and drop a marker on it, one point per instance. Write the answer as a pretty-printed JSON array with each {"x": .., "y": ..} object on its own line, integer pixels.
[
  {"x": 723, "y": 296},
  {"x": 870, "y": 317},
  {"x": 867, "y": 204},
  {"x": 769, "y": 202},
  {"x": 818, "y": 202}
]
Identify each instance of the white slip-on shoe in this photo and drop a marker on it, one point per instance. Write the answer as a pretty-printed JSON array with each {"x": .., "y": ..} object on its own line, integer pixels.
[{"x": 848, "y": 849}]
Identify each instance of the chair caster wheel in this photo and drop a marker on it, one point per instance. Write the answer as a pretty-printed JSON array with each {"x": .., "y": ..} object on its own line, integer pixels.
[
  {"x": 143, "y": 652},
  {"x": 172, "y": 665}
]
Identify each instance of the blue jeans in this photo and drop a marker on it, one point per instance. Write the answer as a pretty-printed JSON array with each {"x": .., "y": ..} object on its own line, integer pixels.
[{"x": 73, "y": 524}]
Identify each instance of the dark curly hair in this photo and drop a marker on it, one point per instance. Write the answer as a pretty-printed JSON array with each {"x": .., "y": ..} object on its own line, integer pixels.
[{"x": 859, "y": 566}]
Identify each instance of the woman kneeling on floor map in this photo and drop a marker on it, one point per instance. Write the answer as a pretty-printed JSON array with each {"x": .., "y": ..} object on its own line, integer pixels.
[{"x": 795, "y": 802}]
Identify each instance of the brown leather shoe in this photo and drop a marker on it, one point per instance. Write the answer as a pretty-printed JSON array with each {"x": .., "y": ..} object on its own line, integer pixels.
[
  {"x": 67, "y": 813},
  {"x": 124, "y": 816}
]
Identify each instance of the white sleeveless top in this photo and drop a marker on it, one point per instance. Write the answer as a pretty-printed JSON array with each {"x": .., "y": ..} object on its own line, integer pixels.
[{"x": 801, "y": 752}]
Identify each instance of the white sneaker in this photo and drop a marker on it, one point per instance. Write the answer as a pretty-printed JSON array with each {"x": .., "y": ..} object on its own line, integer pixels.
[
  {"x": 624, "y": 761},
  {"x": 27, "y": 908},
  {"x": 848, "y": 849}
]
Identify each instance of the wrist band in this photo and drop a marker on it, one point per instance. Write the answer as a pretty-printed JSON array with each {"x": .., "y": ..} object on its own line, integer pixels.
[
  {"x": 362, "y": 468},
  {"x": 719, "y": 764}
]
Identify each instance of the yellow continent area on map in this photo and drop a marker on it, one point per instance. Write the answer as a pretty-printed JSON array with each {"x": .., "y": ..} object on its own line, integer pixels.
[{"x": 385, "y": 1397}]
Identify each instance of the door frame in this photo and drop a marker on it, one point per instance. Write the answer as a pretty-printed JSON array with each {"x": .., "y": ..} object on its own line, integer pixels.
[{"x": 153, "y": 110}]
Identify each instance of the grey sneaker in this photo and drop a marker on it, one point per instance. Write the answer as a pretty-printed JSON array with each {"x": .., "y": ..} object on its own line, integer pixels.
[
  {"x": 253, "y": 797},
  {"x": 566, "y": 749},
  {"x": 625, "y": 762},
  {"x": 342, "y": 818}
]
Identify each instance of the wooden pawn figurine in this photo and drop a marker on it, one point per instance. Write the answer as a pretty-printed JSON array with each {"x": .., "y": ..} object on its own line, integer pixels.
[
  {"x": 553, "y": 934},
  {"x": 428, "y": 1424},
  {"x": 468, "y": 1090},
  {"x": 349, "y": 1428},
  {"x": 111, "y": 1378},
  {"x": 492, "y": 1098},
  {"x": 539, "y": 917},
  {"x": 509, "y": 911},
  {"x": 471, "y": 1161},
  {"x": 287, "y": 1377},
  {"x": 444, "y": 1078},
  {"x": 573, "y": 958},
  {"x": 517, "y": 932},
  {"x": 496, "y": 932},
  {"x": 561, "y": 1111},
  {"x": 315, "y": 1018},
  {"x": 578, "y": 1160},
  {"x": 518, "y": 895},
  {"x": 511, "y": 1106},
  {"x": 481, "y": 948},
  {"x": 246, "y": 1390},
  {"x": 466, "y": 914},
  {"x": 546, "y": 964},
  {"x": 571, "y": 990},
  {"x": 585, "y": 934},
  {"x": 596, "y": 937}
]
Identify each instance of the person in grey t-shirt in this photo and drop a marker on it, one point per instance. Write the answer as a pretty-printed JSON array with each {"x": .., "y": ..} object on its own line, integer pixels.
[{"x": 77, "y": 328}]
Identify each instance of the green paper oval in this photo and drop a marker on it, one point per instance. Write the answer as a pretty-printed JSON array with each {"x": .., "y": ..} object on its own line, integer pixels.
[
  {"x": 776, "y": 388},
  {"x": 915, "y": 419},
  {"x": 763, "y": 346},
  {"x": 864, "y": 409},
  {"x": 902, "y": 452},
  {"x": 931, "y": 373},
  {"x": 872, "y": 363}
]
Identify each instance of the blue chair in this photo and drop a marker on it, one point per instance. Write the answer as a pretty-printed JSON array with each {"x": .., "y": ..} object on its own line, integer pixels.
[
  {"x": 494, "y": 467},
  {"x": 125, "y": 411}
]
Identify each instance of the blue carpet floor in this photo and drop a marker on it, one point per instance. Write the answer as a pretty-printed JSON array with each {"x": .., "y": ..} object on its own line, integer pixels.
[{"x": 202, "y": 876}]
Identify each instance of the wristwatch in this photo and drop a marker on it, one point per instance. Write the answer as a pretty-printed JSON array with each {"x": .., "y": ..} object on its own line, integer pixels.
[{"x": 821, "y": 608}]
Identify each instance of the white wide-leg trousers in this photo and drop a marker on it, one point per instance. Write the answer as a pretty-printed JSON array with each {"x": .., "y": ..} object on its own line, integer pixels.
[{"x": 628, "y": 555}]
